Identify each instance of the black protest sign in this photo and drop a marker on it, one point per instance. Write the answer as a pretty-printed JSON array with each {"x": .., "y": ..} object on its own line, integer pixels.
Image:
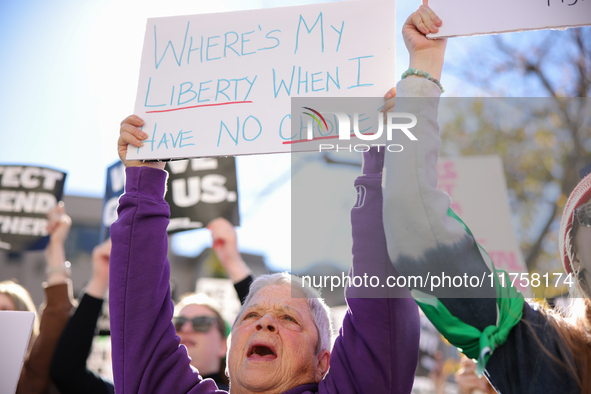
[
  {"x": 114, "y": 188},
  {"x": 200, "y": 190},
  {"x": 27, "y": 194}
]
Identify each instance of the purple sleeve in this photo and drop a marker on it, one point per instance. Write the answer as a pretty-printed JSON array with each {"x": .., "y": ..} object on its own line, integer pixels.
[
  {"x": 377, "y": 347},
  {"x": 145, "y": 349}
]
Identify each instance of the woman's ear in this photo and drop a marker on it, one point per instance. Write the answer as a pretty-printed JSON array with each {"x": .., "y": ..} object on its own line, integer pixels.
[{"x": 323, "y": 359}]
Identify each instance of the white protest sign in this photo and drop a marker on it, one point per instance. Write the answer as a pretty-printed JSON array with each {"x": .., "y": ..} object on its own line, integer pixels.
[
  {"x": 15, "y": 333},
  {"x": 478, "y": 17},
  {"x": 220, "y": 84},
  {"x": 478, "y": 191}
]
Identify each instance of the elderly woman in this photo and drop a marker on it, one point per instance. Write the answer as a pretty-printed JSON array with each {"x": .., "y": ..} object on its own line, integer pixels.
[{"x": 279, "y": 343}]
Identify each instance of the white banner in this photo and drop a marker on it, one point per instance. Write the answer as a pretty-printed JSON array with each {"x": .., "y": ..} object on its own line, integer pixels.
[
  {"x": 479, "y": 17},
  {"x": 220, "y": 84}
]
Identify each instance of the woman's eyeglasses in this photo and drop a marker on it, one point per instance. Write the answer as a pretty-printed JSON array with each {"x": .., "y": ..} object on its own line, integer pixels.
[{"x": 200, "y": 323}]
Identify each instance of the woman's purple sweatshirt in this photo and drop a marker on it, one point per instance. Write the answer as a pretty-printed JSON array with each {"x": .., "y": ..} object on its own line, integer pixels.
[{"x": 377, "y": 347}]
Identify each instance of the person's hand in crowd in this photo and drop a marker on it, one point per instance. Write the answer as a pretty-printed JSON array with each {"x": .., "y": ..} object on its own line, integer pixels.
[
  {"x": 467, "y": 380},
  {"x": 425, "y": 54},
  {"x": 58, "y": 228},
  {"x": 225, "y": 244},
  {"x": 99, "y": 283},
  {"x": 131, "y": 134}
]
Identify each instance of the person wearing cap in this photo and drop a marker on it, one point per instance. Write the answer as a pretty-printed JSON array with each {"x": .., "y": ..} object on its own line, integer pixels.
[
  {"x": 521, "y": 348},
  {"x": 574, "y": 239}
]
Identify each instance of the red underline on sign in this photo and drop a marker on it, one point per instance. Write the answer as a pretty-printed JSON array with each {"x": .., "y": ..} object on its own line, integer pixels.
[
  {"x": 320, "y": 138},
  {"x": 198, "y": 106}
]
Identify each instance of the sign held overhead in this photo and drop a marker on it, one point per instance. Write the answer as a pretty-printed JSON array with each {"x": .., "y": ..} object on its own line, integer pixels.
[
  {"x": 479, "y": 17},
  {"x": 220, "y": 84},
  {"x": 27, "y": 194}
]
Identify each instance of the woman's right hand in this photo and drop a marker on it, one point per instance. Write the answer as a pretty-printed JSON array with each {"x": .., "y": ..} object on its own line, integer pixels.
[
  {"x": 425, "y": 54},
  {"x": 131, "y": 133}
]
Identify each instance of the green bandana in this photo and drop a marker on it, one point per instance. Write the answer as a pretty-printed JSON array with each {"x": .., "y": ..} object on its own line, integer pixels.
[{"x": 470, "y": 340}]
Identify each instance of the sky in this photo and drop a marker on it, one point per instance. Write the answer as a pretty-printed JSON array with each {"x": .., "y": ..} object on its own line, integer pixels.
[{"x": 69, "y": 74}]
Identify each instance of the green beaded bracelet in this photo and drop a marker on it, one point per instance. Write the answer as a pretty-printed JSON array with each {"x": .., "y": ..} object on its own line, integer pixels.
[{"x": 419, "y": 73}]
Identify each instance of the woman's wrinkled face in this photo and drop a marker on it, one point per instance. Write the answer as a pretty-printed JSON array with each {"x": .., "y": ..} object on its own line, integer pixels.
[{"x": 274, "y": 344}]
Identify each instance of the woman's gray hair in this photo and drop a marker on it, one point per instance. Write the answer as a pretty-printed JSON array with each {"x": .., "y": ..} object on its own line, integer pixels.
[{"x": 319, "y": 311}]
